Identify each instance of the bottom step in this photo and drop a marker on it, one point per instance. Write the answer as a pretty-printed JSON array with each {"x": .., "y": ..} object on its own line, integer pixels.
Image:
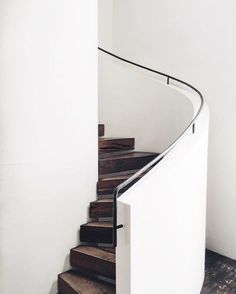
[{"x": 73, "y": 283}]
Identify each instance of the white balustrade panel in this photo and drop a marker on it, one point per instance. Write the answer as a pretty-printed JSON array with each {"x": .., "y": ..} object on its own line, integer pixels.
[{"x": 162, "y": 245}]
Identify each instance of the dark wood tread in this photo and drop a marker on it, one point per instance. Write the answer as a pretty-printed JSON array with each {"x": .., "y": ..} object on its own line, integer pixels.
[
  {"x": 105, "y": 196},
  {"x": 108, "y": 182},
  {"x": 115, "y": 144},
  {"x": 71, "y": 282},
  {"x": 105, "y": 155},
  {"x": 118, "y": 175},
  {"x": 101, "y": 130},
  {"x": 101, "y": 208},
  {"x": 94, "y": 266},
  {"x": 123, "y": 161},
  {"x": 96, "y": 232},
  {"x": 95, "y": 260}
]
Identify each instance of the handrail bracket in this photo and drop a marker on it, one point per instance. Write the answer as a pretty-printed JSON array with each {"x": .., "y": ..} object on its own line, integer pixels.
[{"x": 119, "y": 227}]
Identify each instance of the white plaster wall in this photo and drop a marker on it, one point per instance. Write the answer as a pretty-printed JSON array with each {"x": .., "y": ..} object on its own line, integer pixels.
[
  {"x": 48, "y": 134},
  {"x": 195, "y": 41},
  {"x": 105, "y": 23},
  {"x": 164, "y": 213},
  {"x": 134, "y": 103},
  {"x": 164, "y": 222}
]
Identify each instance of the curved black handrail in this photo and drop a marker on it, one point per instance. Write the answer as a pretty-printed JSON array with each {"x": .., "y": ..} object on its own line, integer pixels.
[{"x": 151, "y": 164}]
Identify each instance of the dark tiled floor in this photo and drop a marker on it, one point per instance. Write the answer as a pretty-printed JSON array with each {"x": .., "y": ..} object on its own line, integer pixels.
[{"x": 220, "y": 275}]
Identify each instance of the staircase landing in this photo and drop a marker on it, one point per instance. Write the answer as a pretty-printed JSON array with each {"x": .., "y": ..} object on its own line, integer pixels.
[{"x": 220, "y": 274}]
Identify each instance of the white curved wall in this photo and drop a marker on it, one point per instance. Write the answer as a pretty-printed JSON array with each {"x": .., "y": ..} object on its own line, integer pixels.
[
  {"x": 194, "y": 40},
  {"x": 164, "y": 213},
  {"x": 105, "y": 23},
  {"x": 48, "y": 133},
  {"x": 164, "y": 222},
  {"x": 134, "y": 103}
]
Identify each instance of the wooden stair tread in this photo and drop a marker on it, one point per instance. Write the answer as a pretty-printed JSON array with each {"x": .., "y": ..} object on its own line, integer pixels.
[
  {"x": 114, "y": 138},
  {"x": 125, "y": 154},
  {"x": 123, "y": 161},
  {"x": 115, "y": 144},
  {"x": 105, "y": 195},
  {"x": 118, "y": 175},
  {"x": 134, "y": 154},
  {"x": 96, "y": 252},
  {"x": 71, "y": 282},
  {"x": 110, "y": 249},
  {"x": 108, "y": 182},
  {"x": 106, "y": 155},
  {"x": 90, "y": 259},
  {"x": 108, "y": 200},
  {"x": 99, "y": 224}
]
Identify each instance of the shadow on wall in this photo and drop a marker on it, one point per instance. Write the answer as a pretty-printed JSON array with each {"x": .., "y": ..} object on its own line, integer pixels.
[
  {"x": 66, "y": 266},
  {"x": 54, "y": 288}
]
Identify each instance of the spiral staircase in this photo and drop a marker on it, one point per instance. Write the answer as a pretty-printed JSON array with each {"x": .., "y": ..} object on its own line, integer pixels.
[
  {"x": 101, "y": 256},
  {"x": 94, "y": 264}
]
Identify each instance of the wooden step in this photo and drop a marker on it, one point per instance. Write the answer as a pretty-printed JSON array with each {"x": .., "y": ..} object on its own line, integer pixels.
[
  {"x": 115, "y": 144},
  {"x": 108, "y": 182},
  {"x": 101, "y": 130},
  {"x": 101, "y": 208},
  {"x": 94, "y": 260},
  {"x": 105, "y": 155},
  {"x": 72, "y": 282},
  {"x": 105, "y": 196},
  {"x": 123, "y": 161},
  {"x": 96, "y": 232}
]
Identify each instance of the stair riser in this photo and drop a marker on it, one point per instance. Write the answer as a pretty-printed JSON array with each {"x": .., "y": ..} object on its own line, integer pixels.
[
  {"x": 92, "y": 264},
  {"x": 104, "y": 196},
  {"x": 64, "y": 288},
  {"x": 107, "y": 187},
  {"x": 107, "y": 165},
  {"x": 115, "y": 145},
  {"x": 75, "y": 282},
  {"x": 95, "y": 235},
  {"x": 109, "y": 184},
  {"x": 101, "y": 210}
]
